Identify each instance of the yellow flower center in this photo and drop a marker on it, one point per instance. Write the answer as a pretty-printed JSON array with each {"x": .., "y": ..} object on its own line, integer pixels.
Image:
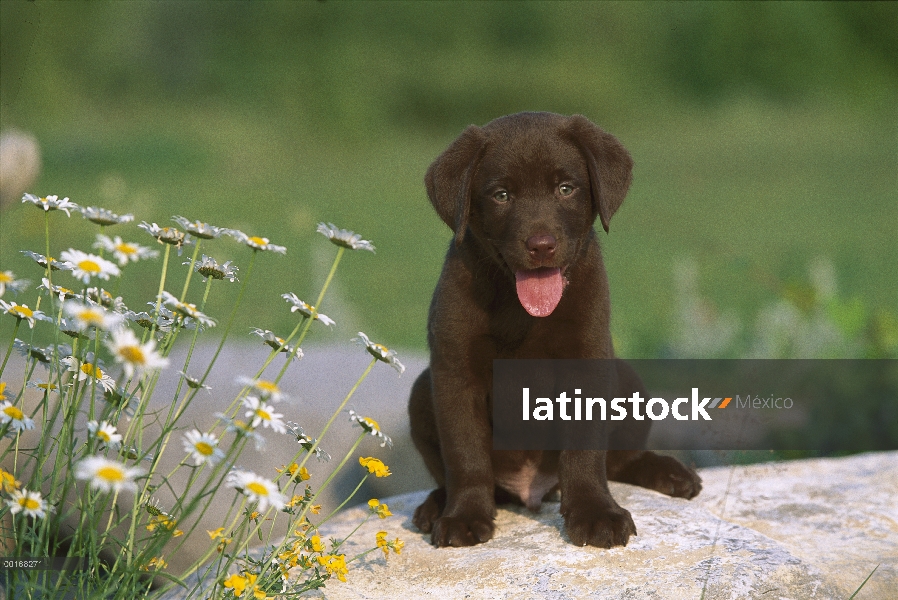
[
  {"x": 204, "y": 448},
  {"x": 4, "y": 278},
  {"x": 259, "y": 241},
  {"x": 14, "y": 413},
  {"x": 47, "y": 386},
  {"x": 132, "y": 354},
  {"x": 91, "y": 317},
  {"x": 21, "y": 312},
  {"x": 257, "y": 488},
  {"x": 89, "y": 369},
  {"x": 372, "y": 423},
  {"x": 267, "y": 386},
  {"x": 89, "y": 266},
  {"x": 29, "y": 503},
  {"x": 126, "y": 248},
  {"x": 263, "y": 414},
  {"x": 103, "y": 436},
  {"x": 111, "y": 473}
]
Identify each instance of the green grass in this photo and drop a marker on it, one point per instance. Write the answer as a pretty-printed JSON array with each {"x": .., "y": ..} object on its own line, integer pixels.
[{"x": 752, "y": 192}]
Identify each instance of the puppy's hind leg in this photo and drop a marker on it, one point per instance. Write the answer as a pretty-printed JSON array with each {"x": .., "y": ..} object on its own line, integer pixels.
[
  {"x": 426, "y": 440},
  {"x": 646, "y": 469}
]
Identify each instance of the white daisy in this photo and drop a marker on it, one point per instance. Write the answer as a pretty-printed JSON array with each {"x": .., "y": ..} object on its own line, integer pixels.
[
  {"x": 43, "y": 386},
  {"x": 84, "y": 265},
  {"x": 209, "y": 267},
  {"x": 257, "y": 489},
  {"x": 380, "y": 352},
  {"x": 306, "y": 309},
  {"x": 262, "y": 412},
  {"x": 107, "y": 475},
  {"x": 344, "y": 237},
  {"x": 276, "y": 342},
  {"x": 145, "y": 320},
  {"x": 266, "y": 389},
  {"x": 306, "y": 441},
  {"x": 256, "y": 243},
  {"x": 242, "y": 429},
  {"x": 63, "y": 293},
  {"x": 9, "y": 282},
  {"x": 104, "y": 298},
  {"x": 104, "y": 217},
  {"x": 22, "y": 312},
  {"x": 193, "y": 382},
  {"x": 41, "y": 260},
  {"x": 85, "y": 316},
  {"x": 370, "y": 426},
  {"x": 135, "y": 357},
  {"x": 14, "y": 416},
  {"x": 199, "y": 229},
  {"x": 83, "y": 370},
  {"x": 105, "y": 433},
  {"x": 186, "y": 309},
  {"x": 44, "y": 355},
  {"x": 202, "y": 447},
  {"x": 166, "y": 235},
  {"x": 31, "y": 504},
  {"x": 49, "y": 203},
  {"x": 71, "y": 329},
  {"x": 124, "y": 252}
]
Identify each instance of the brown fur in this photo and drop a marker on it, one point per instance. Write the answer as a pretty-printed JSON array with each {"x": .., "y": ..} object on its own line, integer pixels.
[{"x": 475, "y": 317}]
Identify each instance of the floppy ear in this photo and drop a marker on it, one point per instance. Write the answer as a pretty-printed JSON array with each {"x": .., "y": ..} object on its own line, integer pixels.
[
  {"x": 449, "y": 179},
  {"x": 609, "y": 163}
]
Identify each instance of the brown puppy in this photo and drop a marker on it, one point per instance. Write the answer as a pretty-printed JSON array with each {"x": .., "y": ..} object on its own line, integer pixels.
[{"x": 523, "y": 279}]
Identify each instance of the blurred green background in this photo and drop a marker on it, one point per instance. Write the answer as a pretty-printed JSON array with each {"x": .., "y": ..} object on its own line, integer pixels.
[{"x": 765, "y": 137}]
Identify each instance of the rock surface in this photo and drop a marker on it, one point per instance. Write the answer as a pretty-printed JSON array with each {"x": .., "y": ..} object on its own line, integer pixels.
[{"x": 796, "y": 530}]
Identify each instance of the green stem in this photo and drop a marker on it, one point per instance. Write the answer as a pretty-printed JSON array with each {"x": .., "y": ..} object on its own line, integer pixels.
[
  {"x": 9, "y": 349},
  {"x": 196, "y": 252},
  {"x": 330, "y": 276},
  {"x": 345, "y": 502},
  {"x": 233, "y": 314},
  {"x": 161, "y": 289},
  {"x": 333, "y": 474},
  {"x": 337, "y": 412}
]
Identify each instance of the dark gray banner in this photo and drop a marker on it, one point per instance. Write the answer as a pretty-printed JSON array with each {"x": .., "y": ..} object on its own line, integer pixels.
[{"x": 823, "y": 406}]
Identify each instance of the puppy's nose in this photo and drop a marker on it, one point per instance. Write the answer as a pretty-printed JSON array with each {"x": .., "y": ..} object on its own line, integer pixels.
[{"x": 541, "y": 247}]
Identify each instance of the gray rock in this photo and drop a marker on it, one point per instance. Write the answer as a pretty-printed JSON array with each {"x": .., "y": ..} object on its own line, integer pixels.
[{"x": 797, "y": 530}]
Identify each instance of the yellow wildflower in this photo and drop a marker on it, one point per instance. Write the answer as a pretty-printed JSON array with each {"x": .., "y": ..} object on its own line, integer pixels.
[
  {"x": 382, "y": 543},
  {"x": 8, "y": 482},
  {"x": 335, "y": 565},
  {"x": 296, "y": 473},
  {"x": 155, "y": 563},
  {"x": 375, "y": 466},
  {"x": 237, "y": 583}
]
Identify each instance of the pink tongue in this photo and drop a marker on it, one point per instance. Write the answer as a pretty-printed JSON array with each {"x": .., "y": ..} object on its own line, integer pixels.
[{"x": 539, "y": 290}]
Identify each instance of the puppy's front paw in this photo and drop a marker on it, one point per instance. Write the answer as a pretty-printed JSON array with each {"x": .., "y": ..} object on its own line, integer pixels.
[
  {"x": 430, "y": 510},
  {"x": 663, "y": 474},
  {"x": 603, "y": 527},
  {"x": 462, "y": 531}
]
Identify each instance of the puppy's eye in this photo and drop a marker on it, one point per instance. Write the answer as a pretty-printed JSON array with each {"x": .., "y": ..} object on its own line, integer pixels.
[
  {"x": 501, "y": 196},
  {"x": 566, "y": 189}
]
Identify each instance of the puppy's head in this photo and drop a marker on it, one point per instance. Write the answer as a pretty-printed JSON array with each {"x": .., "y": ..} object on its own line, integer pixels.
[{"x": 528, "y": 188}]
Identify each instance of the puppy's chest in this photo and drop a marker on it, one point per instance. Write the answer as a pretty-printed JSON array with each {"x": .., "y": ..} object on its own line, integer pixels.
[{"x": 528, "y": 483}]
